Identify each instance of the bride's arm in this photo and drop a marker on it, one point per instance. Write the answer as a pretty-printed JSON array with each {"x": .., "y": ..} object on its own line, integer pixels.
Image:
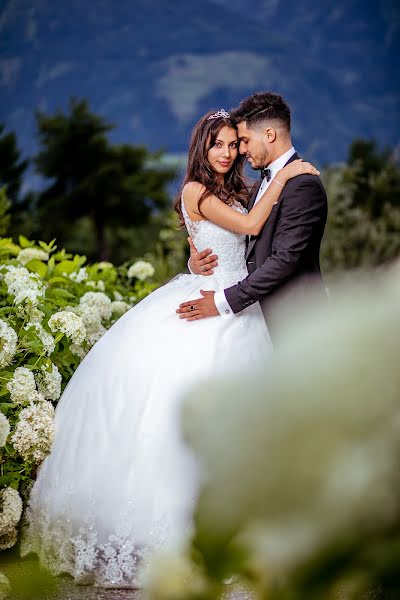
[{"x": 216, "y": 211}]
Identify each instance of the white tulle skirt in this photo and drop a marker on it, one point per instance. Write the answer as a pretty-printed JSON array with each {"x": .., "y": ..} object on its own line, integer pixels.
[{"x": 120, "y": 483}]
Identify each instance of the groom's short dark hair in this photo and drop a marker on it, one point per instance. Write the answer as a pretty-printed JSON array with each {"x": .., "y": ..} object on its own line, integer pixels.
[{"x": 261, "y": 107}]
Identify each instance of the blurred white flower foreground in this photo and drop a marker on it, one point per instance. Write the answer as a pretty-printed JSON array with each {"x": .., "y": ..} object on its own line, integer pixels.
[{"x": 302, "y": 452}]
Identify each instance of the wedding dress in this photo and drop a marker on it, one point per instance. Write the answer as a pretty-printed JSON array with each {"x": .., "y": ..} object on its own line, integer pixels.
[{"x": 119, "y": 483}]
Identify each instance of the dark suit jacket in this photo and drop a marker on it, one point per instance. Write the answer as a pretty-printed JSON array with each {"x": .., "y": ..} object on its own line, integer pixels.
[{"x": 284, "y": 258}]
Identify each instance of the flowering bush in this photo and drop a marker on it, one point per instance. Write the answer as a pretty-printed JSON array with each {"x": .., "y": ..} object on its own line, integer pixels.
[{"x": 53, "y": 309}]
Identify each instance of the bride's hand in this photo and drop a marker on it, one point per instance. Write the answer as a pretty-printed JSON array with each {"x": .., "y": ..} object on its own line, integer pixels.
[{"x": 296, "y": 167}]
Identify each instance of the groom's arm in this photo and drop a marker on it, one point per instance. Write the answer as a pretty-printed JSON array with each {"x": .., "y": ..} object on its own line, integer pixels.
[{"x": 301, "y": 222}]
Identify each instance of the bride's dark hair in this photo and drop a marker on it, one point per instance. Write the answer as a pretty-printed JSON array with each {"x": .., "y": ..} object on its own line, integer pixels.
[{"x": 203, "y": 138}]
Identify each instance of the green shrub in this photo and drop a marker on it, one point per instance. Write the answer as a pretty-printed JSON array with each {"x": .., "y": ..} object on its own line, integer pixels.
[{"x": 53, "y": 309}]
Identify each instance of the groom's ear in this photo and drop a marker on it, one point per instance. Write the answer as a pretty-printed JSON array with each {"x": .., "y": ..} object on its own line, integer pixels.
[{"x": 270, "y": 133}]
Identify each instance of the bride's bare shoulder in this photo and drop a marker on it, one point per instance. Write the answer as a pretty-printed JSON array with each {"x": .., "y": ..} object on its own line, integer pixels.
[
  {"x": 193, "y": 190},
  {"x": 191, "y": 194}
]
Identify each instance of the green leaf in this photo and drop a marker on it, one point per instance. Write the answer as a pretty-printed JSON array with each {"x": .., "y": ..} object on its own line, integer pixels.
[
  {"x": 5, "y": 406},
  {"x": 65, "y": 266},
  {"x": 37, "y": 266},
  {"x": 24, "y": 242},
  {"x": 7, "y": 247},
  {"x": 34, "y": 345},
  {"x": 59, "y": 297},
  {"x": 62, "y": 255},
  {"x": 6, "y": 375},
  {"x": 48, "y": 247},
  {"x": 33, "y": 360},
  {"x": 59, "y": 292},
  {"x": 9, "y": 479},
  {"x": 53, "y": 302},
  {"x": 58, "y": 280},
  {"x": 80, "y": 260}
]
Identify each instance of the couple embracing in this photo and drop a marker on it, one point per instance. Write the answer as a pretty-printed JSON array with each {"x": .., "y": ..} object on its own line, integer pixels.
[{"x": 120, "y": 483}]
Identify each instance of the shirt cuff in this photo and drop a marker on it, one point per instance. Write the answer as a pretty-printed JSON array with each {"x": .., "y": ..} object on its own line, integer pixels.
[{"x": 222, "y": 305}]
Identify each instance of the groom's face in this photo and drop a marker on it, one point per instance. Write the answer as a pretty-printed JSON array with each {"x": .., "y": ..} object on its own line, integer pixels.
[{"x": 254, "y": 145}]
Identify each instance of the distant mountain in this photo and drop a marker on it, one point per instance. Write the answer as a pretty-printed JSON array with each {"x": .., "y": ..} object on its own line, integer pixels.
[{"x": 153, "y": 68}]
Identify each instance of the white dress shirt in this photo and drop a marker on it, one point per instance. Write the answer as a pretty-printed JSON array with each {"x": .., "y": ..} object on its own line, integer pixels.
[{"x": 220, "y": 300}]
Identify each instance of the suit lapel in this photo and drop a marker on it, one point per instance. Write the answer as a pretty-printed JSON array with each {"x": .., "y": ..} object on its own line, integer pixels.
[{"x": 250, "y": 245}]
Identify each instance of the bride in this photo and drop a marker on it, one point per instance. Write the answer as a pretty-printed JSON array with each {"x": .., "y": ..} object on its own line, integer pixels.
[{"x": 119, "y": 483}]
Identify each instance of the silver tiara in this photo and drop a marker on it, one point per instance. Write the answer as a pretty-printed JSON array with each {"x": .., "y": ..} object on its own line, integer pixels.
[{"x": 220, "y": 113}]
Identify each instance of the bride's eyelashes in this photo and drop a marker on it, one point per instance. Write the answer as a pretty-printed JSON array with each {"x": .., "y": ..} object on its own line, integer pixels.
[{"x": 233, "y": 145}]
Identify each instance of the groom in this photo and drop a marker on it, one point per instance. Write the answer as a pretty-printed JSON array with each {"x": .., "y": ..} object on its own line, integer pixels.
[{"x": 283, "y": 260}]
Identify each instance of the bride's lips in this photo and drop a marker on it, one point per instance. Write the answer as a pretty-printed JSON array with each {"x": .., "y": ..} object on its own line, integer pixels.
[{"x": 224, "y": 164}]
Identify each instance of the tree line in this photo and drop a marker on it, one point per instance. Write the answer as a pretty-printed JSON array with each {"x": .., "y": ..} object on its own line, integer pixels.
[
  {"x": 111, "y": 201},
  {"x": 96, "y": 193}
]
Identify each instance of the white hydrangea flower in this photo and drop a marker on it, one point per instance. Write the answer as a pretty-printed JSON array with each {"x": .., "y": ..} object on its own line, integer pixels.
[
  {"x": 23, "y": 285},
  {"x": 27, "y": 254},
  {"x": 31, "y": 313},
  {"x": 104, "y": 265},
  {"x": 141, "y": 269},
  {"x": 98, "y": 285},
  {"x": 80, "y": 276},
  {"x": 119, "y": 307},
  {"x": 49, "y": 382},
  {"x": 35, "y": 315},
  {"x": 93, "y": 336},
  {"x": 92, "y": 320},
  {"x": 78, "y": 350},
  {"x": 29, "y": 294},
  {"x": 70, "y": 324},
  {"x": 8, "y": 343},
  {"x": 22, "y": 386},
  {"x": 34, "y": 432},
  {"x": 37, "y": 397},
  {"x": 4, "y": 429},
  {"x": 10, "y": 511},
  {"x": 117, "y": 295},
  {"x": 45, "y": 337},
  {"x": 98, "y": 302},
  {"x": 8, "y": 540}
]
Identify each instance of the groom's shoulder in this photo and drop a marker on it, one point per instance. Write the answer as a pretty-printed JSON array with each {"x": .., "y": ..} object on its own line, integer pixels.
[
  {"x": 305, "y": 190},
  {"x": 305, "y": 182}
]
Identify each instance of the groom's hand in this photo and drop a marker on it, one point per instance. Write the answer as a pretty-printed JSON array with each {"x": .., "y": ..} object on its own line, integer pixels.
[
  {"x": 201, "y": 263},
  {"x": 200, "y": 308}
]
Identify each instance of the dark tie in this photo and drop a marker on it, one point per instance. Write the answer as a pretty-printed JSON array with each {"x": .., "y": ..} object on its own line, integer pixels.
[{"x": 265, "y": 173}]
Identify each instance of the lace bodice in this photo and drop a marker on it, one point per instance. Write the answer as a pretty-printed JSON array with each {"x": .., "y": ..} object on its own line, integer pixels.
[{"x": 230, "y": 247}]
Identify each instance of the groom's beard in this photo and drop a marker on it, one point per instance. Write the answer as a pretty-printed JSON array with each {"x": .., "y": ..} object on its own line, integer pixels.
[
  {"x": 257, "y": 166},
  {"x": 260, "y": 162}
]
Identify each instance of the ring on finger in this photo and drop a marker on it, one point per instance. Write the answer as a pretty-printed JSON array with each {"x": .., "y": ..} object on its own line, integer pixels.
[
  {"x": 203, "y": 268},
  {"x": 192, "y": 307}
]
